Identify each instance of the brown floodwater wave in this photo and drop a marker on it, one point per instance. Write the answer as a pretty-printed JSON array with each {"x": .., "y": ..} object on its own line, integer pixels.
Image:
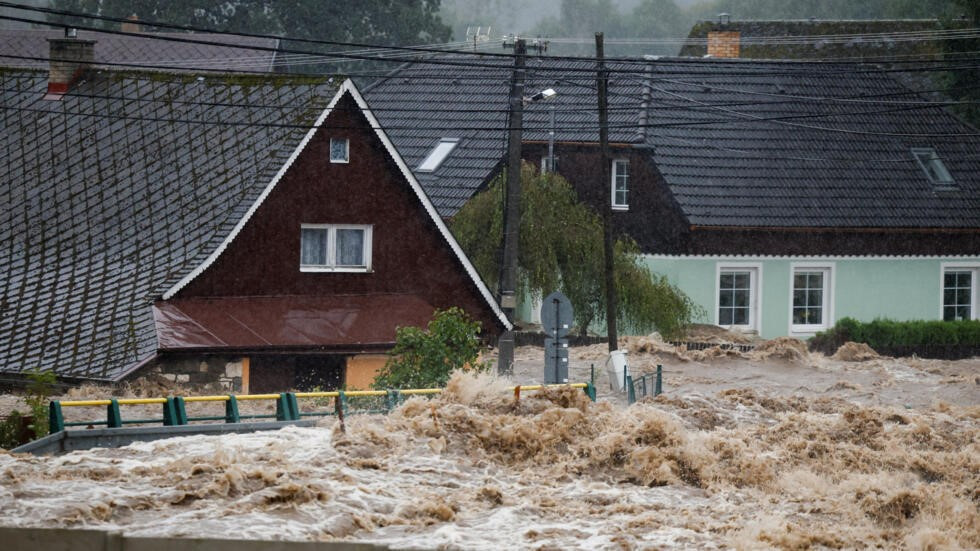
[{"x": 477, "y": 469}]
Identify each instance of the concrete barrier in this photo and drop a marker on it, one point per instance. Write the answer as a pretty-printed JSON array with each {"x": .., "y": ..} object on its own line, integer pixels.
[
  {"x": 64, "y": 539},
  {"x": 70, "y": 440}
]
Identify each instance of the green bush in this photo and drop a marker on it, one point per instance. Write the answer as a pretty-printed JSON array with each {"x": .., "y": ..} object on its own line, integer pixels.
[
  {"x": 886, "y": 335},
  {"x": 10, "y": 431},
  {"x": 39, "y": 389},
  {"x": 424, "y": 358}
]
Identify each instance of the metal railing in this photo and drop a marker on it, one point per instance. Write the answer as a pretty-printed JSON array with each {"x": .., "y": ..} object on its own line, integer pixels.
[
  {"x": 174, "y": 408},
  {"x": 648, "y": 384}
]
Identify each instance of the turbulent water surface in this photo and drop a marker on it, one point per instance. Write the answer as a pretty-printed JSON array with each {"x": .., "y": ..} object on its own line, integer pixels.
[{"x": 737, "y": 467}]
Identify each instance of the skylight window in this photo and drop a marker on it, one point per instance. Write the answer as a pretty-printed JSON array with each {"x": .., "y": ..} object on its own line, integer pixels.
[
  {"x": 933, "y": 166},
  {"x": 438, "y": 154}
]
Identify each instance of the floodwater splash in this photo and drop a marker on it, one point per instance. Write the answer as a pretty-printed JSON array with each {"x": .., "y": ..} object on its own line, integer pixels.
[{"x": 476, "y": 468}]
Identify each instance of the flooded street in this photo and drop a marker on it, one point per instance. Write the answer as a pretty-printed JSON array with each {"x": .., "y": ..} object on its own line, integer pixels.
[{"x": 773, "y": 448}]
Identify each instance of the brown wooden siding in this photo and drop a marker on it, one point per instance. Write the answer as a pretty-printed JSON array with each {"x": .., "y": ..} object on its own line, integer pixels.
[{"x": 408, "y": 253}]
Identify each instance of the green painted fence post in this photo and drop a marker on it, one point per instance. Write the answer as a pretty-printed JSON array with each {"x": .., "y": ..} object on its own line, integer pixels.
[
  {"x": 231, "y": 410},
  {"x": 343, "y": 401},
  {"x": 56, "y": 420},
  {"x": 590, "y": 391},
  {"x": 174, "y": 411},
  {"x": 659, "y": 389},
  {"x": 113, "y": 417},
  {"x": 391, "y": 399},
  {"x": 287, "y": 408},
  {"x": 630, "y": 391}
]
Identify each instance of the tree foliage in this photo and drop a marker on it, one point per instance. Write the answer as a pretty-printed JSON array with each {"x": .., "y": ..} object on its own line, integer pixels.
[
  {"x": 561, "y": 247},
  {"x": 388, "y": 22},
  {"x": 424, "y": 358}
]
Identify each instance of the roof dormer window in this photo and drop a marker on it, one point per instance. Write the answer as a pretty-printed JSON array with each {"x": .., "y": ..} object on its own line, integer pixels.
[
  {"x": 438, "y": 154},
  {"x": 933, "y": 166}
]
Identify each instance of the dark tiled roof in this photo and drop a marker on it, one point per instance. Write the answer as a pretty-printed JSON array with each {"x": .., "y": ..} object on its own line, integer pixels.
[
  {"x": 419, "y": 105},
  {"x": 115, "y": 192},
  {"x": 145, "y": 49},
  {"x": 839, "y": 157}
]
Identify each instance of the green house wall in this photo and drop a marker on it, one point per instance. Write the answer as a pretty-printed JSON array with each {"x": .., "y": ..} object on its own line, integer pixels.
[{"x": 864, "y": 288}]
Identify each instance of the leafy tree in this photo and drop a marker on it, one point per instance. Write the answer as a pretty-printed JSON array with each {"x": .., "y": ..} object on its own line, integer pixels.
[
  {"x": 561, "y": 247},
  {"x": 963, "y": 84},
  {"x": 424, "y": 358},
  {"x": 39, "y": 388},
  {"x": 383, "y": 22}
]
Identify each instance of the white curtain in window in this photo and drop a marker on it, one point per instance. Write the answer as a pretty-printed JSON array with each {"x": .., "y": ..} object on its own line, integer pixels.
[
  {"x": 313, "y": 247},
  {"x": 350, "y": 247}
]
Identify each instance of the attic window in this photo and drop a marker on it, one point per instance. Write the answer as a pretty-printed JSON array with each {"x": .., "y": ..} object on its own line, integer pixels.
[
  {"x": 438, "y": 154},
  {"x": 933, "y": 166},
  {"x": 339, "y": 150}
]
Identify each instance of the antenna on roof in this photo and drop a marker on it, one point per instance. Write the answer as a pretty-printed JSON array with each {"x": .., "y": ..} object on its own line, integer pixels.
[{"x": 477, "y": 35}]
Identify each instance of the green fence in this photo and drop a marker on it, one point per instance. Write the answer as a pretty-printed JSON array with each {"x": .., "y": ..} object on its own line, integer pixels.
[
  {"x": 174, "y": 408},
  {"x": 649, "y": 384}
]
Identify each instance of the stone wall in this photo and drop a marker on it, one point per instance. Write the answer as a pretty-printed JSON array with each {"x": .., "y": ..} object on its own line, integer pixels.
[{"x": 213, "y": 373}]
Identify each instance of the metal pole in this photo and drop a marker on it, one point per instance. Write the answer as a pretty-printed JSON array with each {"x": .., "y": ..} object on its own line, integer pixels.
[
  {"x": 512, "y": 206},
  {"x": 550, "y": 166},
  {"x": 607, "y": 229}
]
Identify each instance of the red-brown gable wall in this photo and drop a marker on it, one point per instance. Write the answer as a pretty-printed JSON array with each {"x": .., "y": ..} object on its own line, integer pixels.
[{"x": 408, "y": 253}]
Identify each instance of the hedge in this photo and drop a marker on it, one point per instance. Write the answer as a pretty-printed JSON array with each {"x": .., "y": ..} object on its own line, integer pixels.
[{"x": 927, "y": 339}]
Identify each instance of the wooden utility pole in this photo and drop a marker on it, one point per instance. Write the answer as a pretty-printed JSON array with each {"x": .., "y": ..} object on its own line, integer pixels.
[
  {"x": 607, "y": 228},
  {"x": 512, "y": 207}
]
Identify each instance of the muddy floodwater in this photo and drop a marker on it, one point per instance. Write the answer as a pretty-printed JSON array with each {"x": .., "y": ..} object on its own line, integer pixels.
[{"x": 776, "y": 448}]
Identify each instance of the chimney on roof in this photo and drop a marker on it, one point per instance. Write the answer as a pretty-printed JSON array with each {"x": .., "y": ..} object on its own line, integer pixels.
[
  {"x": 69, "y": 58},
  {"x": 131, "y": 25},
  {"x": 724, "y": 43}
]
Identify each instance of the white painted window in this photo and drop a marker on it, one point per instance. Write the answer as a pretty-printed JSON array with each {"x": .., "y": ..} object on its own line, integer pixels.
[
  {"x": 959, "y": 287},
  {"x": 810, "y": 298},
  {"x": 339, "y": 150},
  {"x": 620, "y": 184},
  {"x": 738, "y": 296},
  {"x": 933, "y": 166},
  {"x": 438, "y": 154},
  {"x": 335, "y": 248}
]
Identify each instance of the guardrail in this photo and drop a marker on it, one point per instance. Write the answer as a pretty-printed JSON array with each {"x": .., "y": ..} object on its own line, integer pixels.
[
  {"x": 649, "y": 384},
  {"x": 287, "y": 406}
]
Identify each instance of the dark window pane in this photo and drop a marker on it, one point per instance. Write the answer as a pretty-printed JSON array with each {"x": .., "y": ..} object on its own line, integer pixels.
[
  {"x": 814, "y": 298},
  {"x": 726, "y": 281},
  {"x": 725, "y": 316},
  {"x": 741, "y": 316},
  {"x": 799, "y": 298},
  {"x": 725, "y": 299},
  {"x": 963, "y": 296},
  {"x": 741, "y": 280},
  {"x": 799, "y": 315},
  {"x": 949, "y": 279},
  {"x": 949, "y": 297},
  {"x": 741, "y": 298},
  {"x": 799, "y": 281},
  {"x": 815, "y": 316},
  {"x": 963, "y": 279},
  {"x": 963, "y": 312},
  {"x": 949, "y": 313}
]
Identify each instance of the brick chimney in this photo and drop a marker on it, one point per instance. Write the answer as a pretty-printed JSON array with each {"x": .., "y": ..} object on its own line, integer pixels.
[
  {"x": 70, "y": 57},
  {"x": 724, "y": 43},
  {"x": 132, "y": 25}
]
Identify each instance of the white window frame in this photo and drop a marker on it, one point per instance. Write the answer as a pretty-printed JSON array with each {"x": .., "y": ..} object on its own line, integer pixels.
[
  {"x": 629, "y": 176},
  {"x": 331, "y": 265},
  {"x": 755, "y": 294},
  {"x": 346, "y": 158},
  {"x": 974, "y": 285},
  {"x": 828, "y": 296}
]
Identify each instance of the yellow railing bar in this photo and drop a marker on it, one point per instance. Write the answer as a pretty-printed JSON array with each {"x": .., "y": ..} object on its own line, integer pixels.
[
  {"x": 224, "y": 398},
  {"x": 88, "y": 403},
  {"x": 318, "y": 394},
  {"x": 422, "y": 391},
  {"x": 255, "y": 397}
]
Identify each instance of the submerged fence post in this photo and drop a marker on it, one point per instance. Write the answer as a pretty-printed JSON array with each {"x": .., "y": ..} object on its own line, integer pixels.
[
  {"x": 339, "y": 405},
  {"x": 659, "y": 388},
  {"x": 286, "y": 407},
  {"x": 113, "y": 417},
  {"x": 630, "y": 391},
  {"x": 56, "y": 420},
  {"x": 231, "y": 410},
  {"x": 391, "y": 399},
  {"x": 590, "y": 390}
]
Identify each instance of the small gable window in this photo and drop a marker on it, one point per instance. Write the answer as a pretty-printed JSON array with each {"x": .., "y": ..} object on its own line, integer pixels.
[
  {"x": 933, "y": 166},
  {"x": 438, "y": 154},
  {"x": 620, "y": 184},
  {"x": 335, "y": 248},
  {"x": 339, "y": 150}
]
